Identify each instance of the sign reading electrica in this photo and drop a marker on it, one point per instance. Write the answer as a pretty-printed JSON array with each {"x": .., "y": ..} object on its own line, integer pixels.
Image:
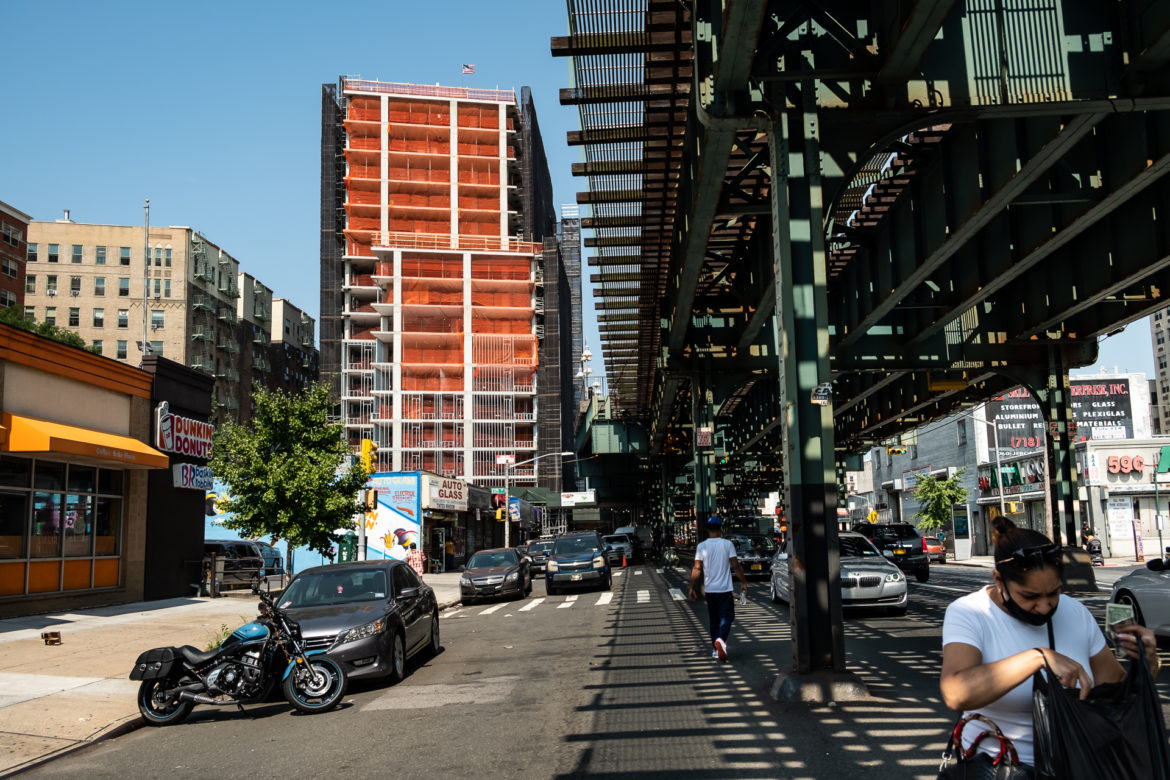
[
  {"x": 182, "y": 435},
  {"x": 192, "y": 477}
]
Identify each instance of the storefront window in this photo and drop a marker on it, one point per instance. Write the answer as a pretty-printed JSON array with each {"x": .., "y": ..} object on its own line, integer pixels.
[
  {"x": 49, "y": 475},
  {"x": 107, "y": 522},
  {"x": 46, "y": 528},
  {"x": 78, "y": 529},
  {"x": 15, "y": 472},
  {"x": 82, "y": 479},
  {"x": 13, "y": 525},
  {"x": 110, "y": 481}
]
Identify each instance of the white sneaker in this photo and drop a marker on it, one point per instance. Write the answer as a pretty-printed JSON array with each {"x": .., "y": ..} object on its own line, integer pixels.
[
  {"x": 721, "y": 649},
  {"x": 714, "y": 654}
]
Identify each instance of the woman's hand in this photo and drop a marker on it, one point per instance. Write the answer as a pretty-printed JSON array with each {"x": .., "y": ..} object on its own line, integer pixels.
[
  {"x": 1068, "y": 672},
  {"x": 1130, "y": 637}
]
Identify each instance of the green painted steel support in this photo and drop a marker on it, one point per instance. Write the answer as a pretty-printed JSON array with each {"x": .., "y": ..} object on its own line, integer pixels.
[
  {"x": 811, "y": 495},
  {"x": 703, "y": 415},
  {"x": 1056, "y": 403}
]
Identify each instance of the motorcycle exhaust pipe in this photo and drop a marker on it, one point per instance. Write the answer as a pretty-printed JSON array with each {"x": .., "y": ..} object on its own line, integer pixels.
[{"x": 198, "y": 698}]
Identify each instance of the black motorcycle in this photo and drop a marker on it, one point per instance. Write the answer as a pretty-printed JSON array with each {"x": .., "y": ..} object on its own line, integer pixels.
[{"x": 243, "y": 670}]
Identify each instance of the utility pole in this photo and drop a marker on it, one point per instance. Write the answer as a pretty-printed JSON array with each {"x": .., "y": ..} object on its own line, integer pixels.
[{"x": 146, "y": 280}]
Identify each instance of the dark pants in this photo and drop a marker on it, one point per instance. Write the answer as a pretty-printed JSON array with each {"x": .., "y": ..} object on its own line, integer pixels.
[{"x": 721, "y": 612}]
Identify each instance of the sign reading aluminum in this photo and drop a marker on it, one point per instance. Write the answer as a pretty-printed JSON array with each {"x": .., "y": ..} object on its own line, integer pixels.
[{"x": 1101, "y": 410}]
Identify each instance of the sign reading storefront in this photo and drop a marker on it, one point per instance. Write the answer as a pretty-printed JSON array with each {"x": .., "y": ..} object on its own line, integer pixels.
[
  {"x": 1100, "y": 410},
  {"x": 192, "y": 477},
  {"x": 182, "y": 435}
]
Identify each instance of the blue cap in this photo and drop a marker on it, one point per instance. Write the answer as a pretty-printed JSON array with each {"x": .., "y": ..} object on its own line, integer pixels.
[{"x": 714, "y": 521}]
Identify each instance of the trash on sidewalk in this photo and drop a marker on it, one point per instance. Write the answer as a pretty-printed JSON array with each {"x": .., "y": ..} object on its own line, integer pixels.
[{"x": 51, "y": 637}]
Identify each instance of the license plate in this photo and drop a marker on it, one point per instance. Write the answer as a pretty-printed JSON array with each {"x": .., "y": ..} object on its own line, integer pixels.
[
  {"x": 899, "y": 552},
  {"x": 756, "y": 567},
  {"x": 575, "y": 578}
]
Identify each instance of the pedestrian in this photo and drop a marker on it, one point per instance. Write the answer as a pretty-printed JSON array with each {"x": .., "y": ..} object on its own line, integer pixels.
[
  {"x": 416, "y": 559},
  {"x": 449, "y": 555},
  {"x": 995, "y": 638},
  {"x": 715, "y": 559}
]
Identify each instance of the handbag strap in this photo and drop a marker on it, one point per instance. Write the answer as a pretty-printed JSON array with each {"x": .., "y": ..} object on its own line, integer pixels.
[{"x": 1006, "y": 748}]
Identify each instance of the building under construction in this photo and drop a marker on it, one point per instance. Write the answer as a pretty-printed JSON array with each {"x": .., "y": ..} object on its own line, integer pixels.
[{"x": 434, "y": 204}]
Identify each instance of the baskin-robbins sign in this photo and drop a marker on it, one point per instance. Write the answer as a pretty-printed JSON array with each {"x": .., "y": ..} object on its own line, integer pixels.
[
  {"x": 182, "y": 435},
  {"x": 192, "y": 477}
]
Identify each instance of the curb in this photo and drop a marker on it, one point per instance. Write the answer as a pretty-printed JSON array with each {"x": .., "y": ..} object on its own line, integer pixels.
[{"x": 127, "y": 725}]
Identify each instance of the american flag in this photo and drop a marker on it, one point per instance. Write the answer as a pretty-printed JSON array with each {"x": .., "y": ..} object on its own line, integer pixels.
[{"x": 468, "y": 69}]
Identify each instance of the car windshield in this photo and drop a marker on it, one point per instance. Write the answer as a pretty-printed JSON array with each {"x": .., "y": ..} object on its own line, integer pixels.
[
  {"x": 763, "y": 544},
  {"x": 894, "y": 533},
  {"x": 540, "y": 548},
  {"x": 615, "y": 540},
  {"x": 315, "y": 589},
  {"x": 856, "y": 547},
  {"x": 743, "y": 545},
  {"x": 576, "y": 545},
  {"x": 490, "y": 560}
]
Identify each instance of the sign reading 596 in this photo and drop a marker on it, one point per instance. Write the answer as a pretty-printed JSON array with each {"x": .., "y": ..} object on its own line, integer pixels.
[{"x": 1125, "y": 464}]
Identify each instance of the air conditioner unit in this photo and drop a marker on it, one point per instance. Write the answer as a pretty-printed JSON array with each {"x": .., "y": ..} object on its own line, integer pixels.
[
  {"x": 52, "y": 293},
  {"x": 154, "y": 327}
]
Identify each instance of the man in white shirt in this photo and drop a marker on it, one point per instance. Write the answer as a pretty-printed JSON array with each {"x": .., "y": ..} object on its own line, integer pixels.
[{"x": 714, "y": 561}]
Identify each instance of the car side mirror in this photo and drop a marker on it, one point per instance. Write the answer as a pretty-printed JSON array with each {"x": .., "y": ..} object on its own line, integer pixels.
[
  {"x": 1156, "y": 564},
  {"x": 782, "y": 556},
  {"x": 609, "y": 548},
  {"x": 408, "y": 593}
]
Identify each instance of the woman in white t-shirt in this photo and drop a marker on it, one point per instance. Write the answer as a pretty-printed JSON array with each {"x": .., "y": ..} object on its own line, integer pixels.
[{"x": 995, "y": 638}]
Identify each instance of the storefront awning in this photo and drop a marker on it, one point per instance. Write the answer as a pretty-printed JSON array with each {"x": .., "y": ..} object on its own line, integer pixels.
[{"x": 29, "y": 435}]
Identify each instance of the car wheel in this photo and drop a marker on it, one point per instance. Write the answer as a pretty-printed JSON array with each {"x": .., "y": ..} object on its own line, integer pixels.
[
  {"x": 549, "y": 588},
  {"x": 898, "y": 611},
  {"x": 772, "y": 592},
  {"x": 608, "y": 582},
  {"x": 1125, "y": 597},
  {"x": 397, "y": 658},
  {"x": 528, "y": 587},
  {"x": 923, "y": 573},
  {"x": 434, "y": 646}
]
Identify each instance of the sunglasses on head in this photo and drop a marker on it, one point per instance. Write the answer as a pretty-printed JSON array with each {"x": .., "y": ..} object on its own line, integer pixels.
[{"x": 1033, "y": 557}]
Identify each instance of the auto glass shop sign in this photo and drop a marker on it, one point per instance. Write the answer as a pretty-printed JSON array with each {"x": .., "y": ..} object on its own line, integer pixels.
[
  {"x": 182, "y": 435},
  {"x": 1102, "y": 410}
]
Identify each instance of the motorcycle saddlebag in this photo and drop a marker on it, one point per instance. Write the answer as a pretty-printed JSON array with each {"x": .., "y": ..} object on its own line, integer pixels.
[{"x": 154, "y": 664}]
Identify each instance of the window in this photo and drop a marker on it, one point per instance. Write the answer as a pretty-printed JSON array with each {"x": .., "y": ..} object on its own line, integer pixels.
[
  {"x": 913, "y": 452},
  {"x": 51, "y": 284},
  {"x": 97, "y": 346},
  {"x": 7, "y": 298},
  {"x": 158, "y": 257},
  {"x": 156, "y": 348},
  {"x": 10, "y": 268},
  {"x": 30, "y": 284},
  {"x": 961, "y": 431},
  {"x": 54, "y": 250},
  {"x": 156, "y": 318},
  {"x": 123, "y": 318},
  {"x": 124, "y": 256},
  {"x": 166, "y": 288},
  {"x": 75, "y": 285},
  {"x": 1161, "y": 358},
  {"x": 75, "y": 257},
  {"x": 167, "y": 257},
  {"x": 30, "y": 312},
  {"x": 99, "y": 255},
  {"x": 1161, "y": 338},
  {"x": 99, "y": 285},
  {"x": 32, "y": 253},
  {"x": 74, "y": 317},
  {"x": 99, "y": 318},
  {"x": 51, "y": 315},
  {"x": 157, "y": 285},
  {"x": 123, "y": 286},
  {"x": 12, "y": 236},
  {"x": 121, "y": 351}
]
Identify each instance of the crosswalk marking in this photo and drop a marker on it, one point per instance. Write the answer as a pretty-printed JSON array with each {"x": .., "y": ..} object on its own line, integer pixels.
[
  {"x": 568, "y": 602},
  {"x": 637, "y": 572},
  {"x": 618, "y": 573},
  {"x": 604, "y": 599},
  {"x": 677, "y": 594},
  {"x": 494, "y": 608},
  {"x": 531, "y": 605},
  {"x": 449, "y": 614},
  {"x": 643, "y": 596}
]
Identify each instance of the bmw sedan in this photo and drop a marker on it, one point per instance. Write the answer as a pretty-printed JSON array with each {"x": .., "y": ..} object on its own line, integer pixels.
[
  {"x": 369, "y": 616},
  {"x": 491, "y": 573},
  {"x": 1148, "y": 592},
  {"x": 867, "y": 578}
]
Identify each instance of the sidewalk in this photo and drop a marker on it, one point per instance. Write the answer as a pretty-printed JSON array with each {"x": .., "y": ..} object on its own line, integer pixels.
[
  {"x": 57, "y": 698},
  {"x": 988, "y": 562}
]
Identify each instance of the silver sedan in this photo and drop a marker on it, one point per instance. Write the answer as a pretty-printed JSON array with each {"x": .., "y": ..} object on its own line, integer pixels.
[
  {"x": 1148, "y": 592},
  {"x": 867, "y": 578}
]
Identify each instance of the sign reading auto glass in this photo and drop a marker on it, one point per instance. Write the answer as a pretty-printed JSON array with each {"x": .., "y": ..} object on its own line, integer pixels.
[
  {"x": 182, "y": 435},
  {"x": 1102, "y": 409}
]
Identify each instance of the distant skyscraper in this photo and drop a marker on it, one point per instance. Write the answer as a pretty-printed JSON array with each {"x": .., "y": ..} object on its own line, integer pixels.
[{"x": 1160, "y": 413}]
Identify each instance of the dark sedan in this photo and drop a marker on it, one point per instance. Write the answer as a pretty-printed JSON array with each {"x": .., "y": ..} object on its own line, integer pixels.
[
  {"x": 539, "y": 552},
  {"x": 369, "y": 616},
  {"x": 491, "y": 573}
]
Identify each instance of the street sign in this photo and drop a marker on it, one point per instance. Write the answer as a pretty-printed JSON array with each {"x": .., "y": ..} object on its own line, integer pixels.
[
  {"x": 502, "y": 460},
  {"x": 872, "y": 516},
  {"x": 703, "y": 437},
  {"x": 822, "y": 394}
]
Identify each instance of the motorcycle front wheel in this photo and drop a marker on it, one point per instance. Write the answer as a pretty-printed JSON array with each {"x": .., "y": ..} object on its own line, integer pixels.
[
  {"x": 316, "y": 689},
  {"x": 157, "y": 707}
]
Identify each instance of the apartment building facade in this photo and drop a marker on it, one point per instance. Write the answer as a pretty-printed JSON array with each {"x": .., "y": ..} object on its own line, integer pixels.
[
  {"x": 433, "y": 209},
  {"x": 13, "y": 249}
]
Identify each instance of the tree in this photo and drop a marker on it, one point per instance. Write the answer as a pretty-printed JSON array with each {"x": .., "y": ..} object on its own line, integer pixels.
[
  {"x": 935, "y": 498},
  {"x": 283, "y": 470},
  {"x": 13, "y": 316}
]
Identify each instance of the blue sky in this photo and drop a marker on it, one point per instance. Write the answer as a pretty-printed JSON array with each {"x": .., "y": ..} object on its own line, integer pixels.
[{"x": 212, "y": 110}]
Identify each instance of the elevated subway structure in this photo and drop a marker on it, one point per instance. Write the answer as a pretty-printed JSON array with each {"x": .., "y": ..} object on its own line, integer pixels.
[{"x": 914, "y": 205}]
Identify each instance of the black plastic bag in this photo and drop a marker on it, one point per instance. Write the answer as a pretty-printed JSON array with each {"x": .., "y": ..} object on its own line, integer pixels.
[{"x": 1117, "y": 733}]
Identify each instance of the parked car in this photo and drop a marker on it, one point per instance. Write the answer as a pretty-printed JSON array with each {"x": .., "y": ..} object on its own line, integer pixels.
[
  {"x": 273, "y": 562},
  {"x": 868, "y": 579},
  {"x": 369, "y": 616},
  {"x": 1148, "y": 592},
  {"x": 900, "y": 543},
  {"x": 538, "y": 551},
  {"x": 934, "y": 549},
  {"x": 753, "y": 554},
  {"x": 492, "y": 573},
  {"x": 622, "y": 547},
  {"x": 242, "y": 562},
  {"x": 578, "y": 560}
]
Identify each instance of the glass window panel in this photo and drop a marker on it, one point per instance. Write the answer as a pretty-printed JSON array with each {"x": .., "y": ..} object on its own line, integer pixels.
[
  {"x": 110, "y": 482},
  {"x": 107, "y": 525},
  {"x": 78, "y": 526},
  {"x": 15, "y": 472},
  {"x": 46, "y": 530},
  {"x": 13, "y": 524},
  {"x": 49, "y": 475},
  {"x": 100, "y": 255},
  {"x": 82, "y": 479}
]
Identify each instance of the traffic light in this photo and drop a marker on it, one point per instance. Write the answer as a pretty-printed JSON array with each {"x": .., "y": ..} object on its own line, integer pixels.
[
  {"x": 897, "y": 450},
  {"x": 368, "y": 455},
  {"x": 371, "y": 498}
]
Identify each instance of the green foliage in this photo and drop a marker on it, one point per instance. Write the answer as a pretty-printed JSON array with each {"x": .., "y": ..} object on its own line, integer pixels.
[
  {"x": 216, "y": 638},
  {"x": 13, "y": 316},
  {"x": 282, "y": 470},
  {"x": 935, "y": 498}
]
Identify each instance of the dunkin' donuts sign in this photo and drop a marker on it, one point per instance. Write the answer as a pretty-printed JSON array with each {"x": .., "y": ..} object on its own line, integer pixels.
[{"x": 182, "y": 435}]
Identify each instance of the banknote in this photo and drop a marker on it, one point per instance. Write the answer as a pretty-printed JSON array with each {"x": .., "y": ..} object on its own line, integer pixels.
[{"x": 1117, "y": 616}]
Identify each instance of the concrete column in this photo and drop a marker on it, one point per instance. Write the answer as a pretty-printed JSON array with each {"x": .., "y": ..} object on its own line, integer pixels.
[
  {"x": 384, "y": 145},
  {"x": 396, "y": 362},
  {"x": 468, "y": 373},
  {"x": 454, "y": 162},
  {"x": 503, "y": 136}
]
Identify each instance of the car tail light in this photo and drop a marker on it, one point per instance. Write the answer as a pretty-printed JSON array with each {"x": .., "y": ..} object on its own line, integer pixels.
[{"x": 924, "y": 544}]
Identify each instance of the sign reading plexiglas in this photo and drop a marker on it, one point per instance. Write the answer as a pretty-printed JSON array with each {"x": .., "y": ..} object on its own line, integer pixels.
[
  {"x": 442, "y": 493},
  {"x": 182, "y": 435}
]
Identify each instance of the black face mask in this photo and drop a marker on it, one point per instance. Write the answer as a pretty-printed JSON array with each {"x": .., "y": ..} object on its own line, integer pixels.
[{"x": 1023, "y": 615}]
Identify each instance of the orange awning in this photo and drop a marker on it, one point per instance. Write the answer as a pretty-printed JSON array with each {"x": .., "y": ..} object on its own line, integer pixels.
[{"x": 30, "y": 435}]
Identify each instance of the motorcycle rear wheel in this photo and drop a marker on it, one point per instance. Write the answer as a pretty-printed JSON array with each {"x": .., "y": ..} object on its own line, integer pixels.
[
  {"x": 156, "y": 708},
  {"x": 320, "y": 690}
]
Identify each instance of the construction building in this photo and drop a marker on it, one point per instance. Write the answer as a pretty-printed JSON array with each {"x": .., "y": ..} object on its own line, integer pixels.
[
  {"x": 197, "y": 307},
  {"x": 435, "y": 202}
]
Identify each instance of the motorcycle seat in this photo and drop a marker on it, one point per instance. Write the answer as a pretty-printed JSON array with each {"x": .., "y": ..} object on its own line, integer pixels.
[{"x": 195, "y": 656}]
